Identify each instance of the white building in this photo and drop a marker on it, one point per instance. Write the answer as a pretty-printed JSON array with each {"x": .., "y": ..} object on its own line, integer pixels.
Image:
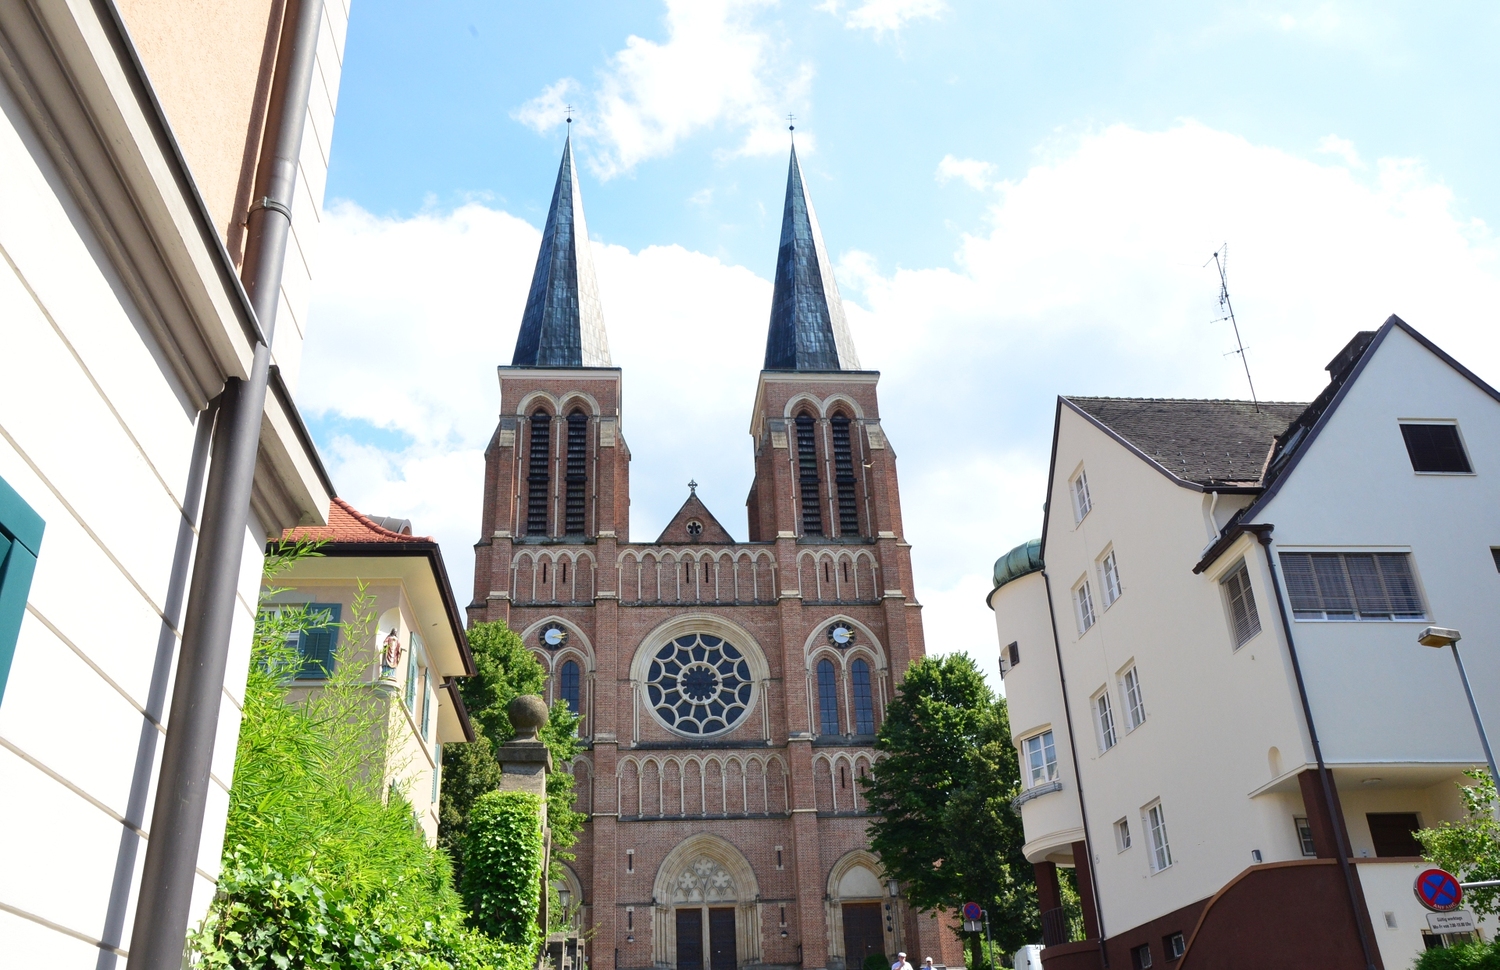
[
  {"x": 412, "y": 648},
  {"x": 140, "y": 270},
  {"x": 1230, "y": 600}
]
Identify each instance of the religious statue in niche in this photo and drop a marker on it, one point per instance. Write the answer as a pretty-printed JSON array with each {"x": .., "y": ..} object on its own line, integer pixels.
[{"x": 390, "y": 655}]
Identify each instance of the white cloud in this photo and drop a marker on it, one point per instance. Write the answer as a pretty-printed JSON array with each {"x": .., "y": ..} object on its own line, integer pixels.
[
  {"x": 1343, "y": 148},
  {"x": 715, "y": 68},
  {"x": 885, "y": 16},
  {"x": 1087, "y": 277},
  {"x": 971, "y": 170}
]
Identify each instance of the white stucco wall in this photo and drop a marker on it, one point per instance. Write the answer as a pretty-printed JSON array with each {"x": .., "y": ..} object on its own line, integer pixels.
[
  {"x": 312, "y": 182},
  {"x": 1376, "y": 695},
  {"x": 98, "y": 437},
  {"x": 1225, "y": 737},
  {"x": 1212, "y": 712},
  {"x": 1033, "y": 694}
]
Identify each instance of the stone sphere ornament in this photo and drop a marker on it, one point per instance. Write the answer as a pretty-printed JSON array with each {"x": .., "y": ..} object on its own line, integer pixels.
[{"x": 528, "y": 713}]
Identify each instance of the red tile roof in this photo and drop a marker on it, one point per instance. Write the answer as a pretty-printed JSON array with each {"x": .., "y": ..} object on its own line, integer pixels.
[{"x": 348, "y": 524}]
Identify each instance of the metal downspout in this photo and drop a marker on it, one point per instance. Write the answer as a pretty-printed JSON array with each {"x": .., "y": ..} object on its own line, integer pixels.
[
  {"x": 1088, "y": 839},
  {"x": 165, "y": 900},
  {"x": 1263, "y": 533}
]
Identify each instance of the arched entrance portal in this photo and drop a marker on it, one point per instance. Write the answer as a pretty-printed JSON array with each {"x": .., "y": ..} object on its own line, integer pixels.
[
  {"x": 706, "y": 916},
  {"x": 862, "y": 919}
]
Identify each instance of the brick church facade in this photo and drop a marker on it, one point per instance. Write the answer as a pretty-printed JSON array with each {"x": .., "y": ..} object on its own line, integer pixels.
[{"x": 729, "y": 691}]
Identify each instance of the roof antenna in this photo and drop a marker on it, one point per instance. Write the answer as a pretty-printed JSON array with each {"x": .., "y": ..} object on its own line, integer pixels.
[{"x": 1221, "y": 260}]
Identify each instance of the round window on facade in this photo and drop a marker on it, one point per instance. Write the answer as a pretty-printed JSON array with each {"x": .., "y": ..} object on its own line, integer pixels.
[{"x": 699, "y": 685}]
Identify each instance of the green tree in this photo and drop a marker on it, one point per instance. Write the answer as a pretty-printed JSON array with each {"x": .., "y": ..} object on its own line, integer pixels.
[
  {"x": 505, "y": 669},
  {"x": 1470, "y": 847},
  {"x": 945, "y": 827}
]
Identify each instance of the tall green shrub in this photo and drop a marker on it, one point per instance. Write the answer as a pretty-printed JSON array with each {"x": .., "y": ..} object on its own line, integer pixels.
[
  {"x": 324, "y": 867},
  {"x": 502, "y": 880},
  {"x": 505, "y": 668}
]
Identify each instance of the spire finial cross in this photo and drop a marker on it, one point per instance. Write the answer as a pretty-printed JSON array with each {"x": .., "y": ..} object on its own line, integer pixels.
[
  {"x": 789, "y": 126},
  {"x": 569, "y": 109},
  {"x": 693, "y": 486}
]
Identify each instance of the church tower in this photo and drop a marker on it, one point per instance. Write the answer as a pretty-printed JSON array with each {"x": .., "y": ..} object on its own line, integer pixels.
[{"x": 730, "y": 692}]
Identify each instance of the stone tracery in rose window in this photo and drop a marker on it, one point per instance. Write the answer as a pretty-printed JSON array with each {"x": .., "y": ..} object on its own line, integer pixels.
[{"x": 699, "y": 684}]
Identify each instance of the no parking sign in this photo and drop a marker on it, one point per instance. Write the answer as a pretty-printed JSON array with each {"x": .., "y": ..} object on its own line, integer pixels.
[{"x": 1438, "y": 890}]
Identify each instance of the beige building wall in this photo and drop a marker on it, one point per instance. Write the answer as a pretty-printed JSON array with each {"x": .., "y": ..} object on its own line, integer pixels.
[
  {"x": 210, "y": 65},
  {"x": 406, "y": 758}
]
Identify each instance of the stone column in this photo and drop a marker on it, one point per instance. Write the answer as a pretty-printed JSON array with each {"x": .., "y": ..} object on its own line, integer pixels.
[{"x": 525, "y": 763}]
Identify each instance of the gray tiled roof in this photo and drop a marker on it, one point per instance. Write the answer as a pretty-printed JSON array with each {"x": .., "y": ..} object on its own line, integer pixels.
[
  {"x": 808, "y": 330},
  {"x": 1206, "y": 442}
]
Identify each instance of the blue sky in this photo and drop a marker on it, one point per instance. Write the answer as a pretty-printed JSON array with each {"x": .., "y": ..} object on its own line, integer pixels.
[{"x": 1019, "y": 199}]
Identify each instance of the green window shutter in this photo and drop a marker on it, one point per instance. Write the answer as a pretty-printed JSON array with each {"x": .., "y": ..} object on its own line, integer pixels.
[
  {"x": 319, "y": 643},
  {"x": 426, "y": 704},
  {"x": 411, "y": 672},
  {"x": 20, "y": 542}
]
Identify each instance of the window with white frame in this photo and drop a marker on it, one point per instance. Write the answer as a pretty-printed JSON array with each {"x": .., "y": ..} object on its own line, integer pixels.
[
  {"x": 1122, "y": 835},
  {"x": 1305, "y": 836},
  {"x": 1041, "y": 759},
  {"x": 1156, "y": 831},
  {"x": 1244, "y": 619},
  {"x": 1105, "y": 718},
  {"x": 1109, "y": 578},
  {"x": 1135, "y": 705},
  {"x": 1352, "y": 586},
  {"x": 1081, "y": 501},
  {"x": 1083, "y": 601}
]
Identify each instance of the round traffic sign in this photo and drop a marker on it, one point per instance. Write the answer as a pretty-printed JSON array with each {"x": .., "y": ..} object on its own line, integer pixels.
[
  {"x": 1438, "y": 890},
  {"x": 972, "y": 911}
]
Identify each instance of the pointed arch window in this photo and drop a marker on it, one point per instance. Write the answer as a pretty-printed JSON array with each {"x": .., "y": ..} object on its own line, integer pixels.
[
  {"x": 538, "y": 473},
  {"x": 568, "y": 684},
  {"x": 864, "y": 703},
  {"x": 578, "y": 439},
  {"x": 843, "y": 475},
  {"x": 828, "y": 698},
  {"x": 807, "y": 475}
]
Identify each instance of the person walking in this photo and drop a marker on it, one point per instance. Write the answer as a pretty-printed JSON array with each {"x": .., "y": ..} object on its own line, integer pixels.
[
  {"x": 901, "y": 963},
  {"x": 927, "y": 964}
]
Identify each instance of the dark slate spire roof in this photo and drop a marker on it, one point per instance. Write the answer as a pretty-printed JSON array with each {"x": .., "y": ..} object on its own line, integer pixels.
[
  {"x": 808, "y": 330},
  {"x": 563, "y": 325}
]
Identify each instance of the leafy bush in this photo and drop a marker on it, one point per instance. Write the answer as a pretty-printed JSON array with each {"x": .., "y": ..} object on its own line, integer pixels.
[
  {"x": 876, "y": 961},
  {"x": 505, "y": 668},
  {"x": 502, "y": 881},
  {"x": 1470, "y": 847},
  {"x": 1464, "y": 956},
  {"x": 323, "y": 866}
]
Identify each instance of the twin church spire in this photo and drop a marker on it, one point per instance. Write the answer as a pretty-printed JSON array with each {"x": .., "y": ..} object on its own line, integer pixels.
[{"x": 563, "y": 324}]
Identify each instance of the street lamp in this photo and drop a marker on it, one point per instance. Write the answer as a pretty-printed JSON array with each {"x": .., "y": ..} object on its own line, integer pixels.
[{"x": 1439, "y": 637}]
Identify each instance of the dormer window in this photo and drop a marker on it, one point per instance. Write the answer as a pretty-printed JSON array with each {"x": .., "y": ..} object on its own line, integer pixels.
[
  {"x": 1081, "y": 501},
  {"x": 1435, "y": 448}
]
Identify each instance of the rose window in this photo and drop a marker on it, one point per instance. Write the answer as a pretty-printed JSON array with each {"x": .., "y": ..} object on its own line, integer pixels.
[{"x": 699, "y": 684}]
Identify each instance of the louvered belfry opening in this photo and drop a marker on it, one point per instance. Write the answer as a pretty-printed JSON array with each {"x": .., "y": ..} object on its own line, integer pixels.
[
  {"x": 538, "y": 473},
  {"x": 807, "y": 475},
  {"x": 843, "y": 476},
  {"x": 578, "y": 440}
]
